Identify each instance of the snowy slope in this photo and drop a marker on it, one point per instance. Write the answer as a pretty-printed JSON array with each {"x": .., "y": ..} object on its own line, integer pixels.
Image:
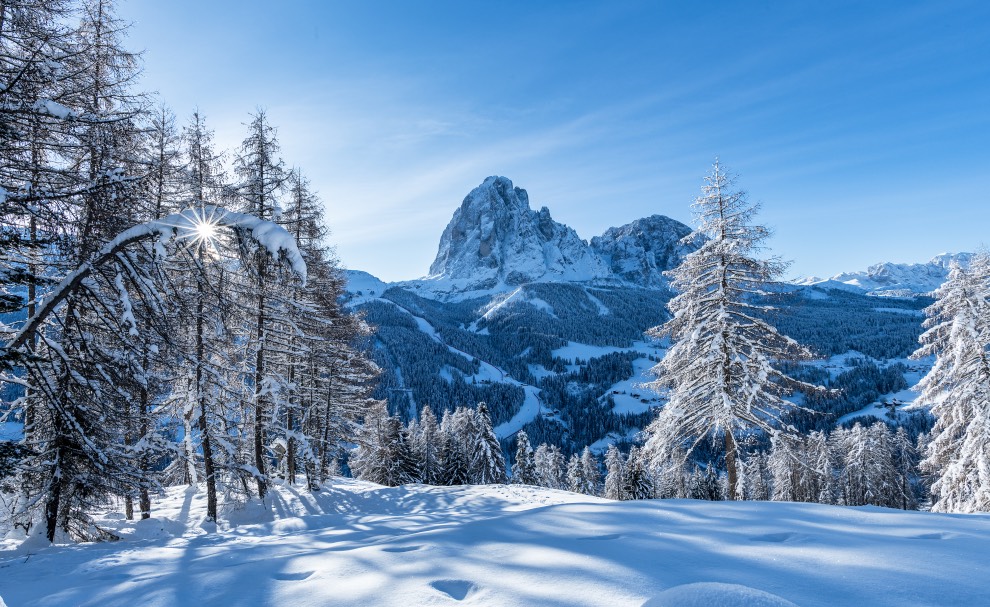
[
  {"x": 357, "y": 544},
  {"x": 362, "y": 287}
]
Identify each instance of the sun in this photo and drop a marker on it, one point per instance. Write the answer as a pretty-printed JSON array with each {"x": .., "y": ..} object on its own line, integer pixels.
[
  {"x": 199, "y": 228},
  {"x": 205, "y": 230}
]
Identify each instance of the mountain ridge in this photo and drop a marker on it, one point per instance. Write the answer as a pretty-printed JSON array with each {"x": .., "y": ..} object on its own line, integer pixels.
[
  {"x": 496, "y": 242},
  {"x": 889, "y": 279}
]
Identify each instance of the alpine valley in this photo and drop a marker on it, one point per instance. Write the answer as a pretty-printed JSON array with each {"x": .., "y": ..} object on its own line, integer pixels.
[{"x": 548, "y": 329}]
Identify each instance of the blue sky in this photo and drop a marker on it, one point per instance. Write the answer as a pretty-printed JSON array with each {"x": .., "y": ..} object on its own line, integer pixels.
[{"x": 863, "y": 128}]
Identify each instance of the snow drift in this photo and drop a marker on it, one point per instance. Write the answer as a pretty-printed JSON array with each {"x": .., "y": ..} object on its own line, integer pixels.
[{"x": 360, "y": 544}]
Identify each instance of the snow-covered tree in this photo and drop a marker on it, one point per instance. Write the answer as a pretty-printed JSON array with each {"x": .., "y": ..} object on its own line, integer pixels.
[
  {"x": 705, "y": 484},
  {"x": 261, "y": 180},
  {"x": 636, "y": 482},
  {"x": 583, "y": 475},
  {"x": 721, "y": 373},
  {"x": 958, "y": 390},
  {"x": 758, "y": 478},
  {"x": 670, "y": 478},
  {"x": 615, "y": 464},
  {"x": 905, "y": 464},
  {"x": 85, "y": 366},
  {"x": 801, "y": 468},
  {"x": 550, "y": 466},
  {"x": 455, "y": 427},
  {"x": 591, "y": 474},
  {"x": 524, "y": 468},
  {"x": 487, "y": 462},
  {"x": 426, "y": 447},
  {"x": 383, "y": 455},
  {"x": 574, "y": 474}
]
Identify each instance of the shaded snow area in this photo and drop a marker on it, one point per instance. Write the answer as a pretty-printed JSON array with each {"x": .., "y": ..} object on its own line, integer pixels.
[{"x": 359, "y": 544}]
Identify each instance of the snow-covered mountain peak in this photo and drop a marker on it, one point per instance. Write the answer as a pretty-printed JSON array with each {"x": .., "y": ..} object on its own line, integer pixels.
[
  {"x": 639, "y": 252},
  {"x": 495, "y": 239},
  {"x": 897, "y": 279}
]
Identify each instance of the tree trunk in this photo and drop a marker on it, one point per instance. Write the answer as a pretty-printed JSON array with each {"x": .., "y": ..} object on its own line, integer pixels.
[
  {"x": 324, "y": 444},
  {"x": 204, "y": 426},
  {"x": 730, "y": 464},
  {"x": 259, "y": 376}
]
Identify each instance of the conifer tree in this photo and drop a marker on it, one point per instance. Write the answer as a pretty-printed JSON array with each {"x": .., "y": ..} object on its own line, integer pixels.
[
  {"x": 524, "y": 468},
  {"x": 591, "y": 474},
  {"x": 426, "y": 447},
  {"x": 636, "y": 482},
  {"x": 261, "y": 180},
  {"x": 958, "y": 390},
  {"x": 383, "y": 454},
  {"x": 487, "y": 462},
  {"x": 456, "y": 464},
  {"x": 614, "y": 473},
  {"x": 206, "y": 342},
  {"x": 160, "y": 193},
  {"x": 905, "y": 464},
  {"x": 705, "y": 484},
  {"x": 721, "y": 373},
  {"x": 758, "y": 479},
  {"x": 574, "y": 474},
  {"x": 669, "y": 474},
  {"x": 84, "y": 378},
  {"x": 550, "y": 466}
]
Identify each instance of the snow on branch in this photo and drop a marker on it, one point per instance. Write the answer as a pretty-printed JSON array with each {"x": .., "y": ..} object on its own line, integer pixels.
[{"x": 189, "y": 224}]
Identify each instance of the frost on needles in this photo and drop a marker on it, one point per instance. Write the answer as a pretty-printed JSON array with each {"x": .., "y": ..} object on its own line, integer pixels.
[
  {"x": 958, "y": 389},
  {"x": 721, "y": 374}
]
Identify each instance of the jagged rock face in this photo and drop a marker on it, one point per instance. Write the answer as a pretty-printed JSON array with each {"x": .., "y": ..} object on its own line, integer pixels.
[
  {"x": 495, "y": 238},
  {"x": 639, "y": 252}
]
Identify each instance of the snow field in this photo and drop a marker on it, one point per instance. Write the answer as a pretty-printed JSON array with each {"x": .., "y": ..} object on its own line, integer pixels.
[{"x": 360, "y": 544}]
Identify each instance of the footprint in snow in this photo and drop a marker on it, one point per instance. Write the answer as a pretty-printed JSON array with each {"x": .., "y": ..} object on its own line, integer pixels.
[
  {"x": 455, "y": 589},
  {"x": 401, "y": 548},
  {"x": 610, "y": 536},
  {"x": 775, "y": 537},
  {"x": 293, "y": 577},
  {"x": 941, "y": 535}
]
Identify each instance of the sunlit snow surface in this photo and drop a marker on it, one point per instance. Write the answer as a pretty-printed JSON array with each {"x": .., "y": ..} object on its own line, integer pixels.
[{"x": 360, "y": 544}]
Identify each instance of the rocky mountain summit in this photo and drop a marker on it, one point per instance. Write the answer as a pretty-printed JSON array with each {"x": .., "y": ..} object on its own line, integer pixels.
[
  {"x": 639, "y": 252},
  {"x": 495, "y": 241}
]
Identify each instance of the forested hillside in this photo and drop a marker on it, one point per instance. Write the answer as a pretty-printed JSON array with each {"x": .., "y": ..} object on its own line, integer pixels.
[{"x": 431, "y": 353}]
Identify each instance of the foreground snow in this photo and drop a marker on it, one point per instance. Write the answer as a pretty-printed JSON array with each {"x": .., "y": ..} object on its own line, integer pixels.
[{"x": 360, "y": 544}]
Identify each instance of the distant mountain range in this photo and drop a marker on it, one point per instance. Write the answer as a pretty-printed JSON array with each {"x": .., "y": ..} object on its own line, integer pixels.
[
  {"x": 895, "y": 279},
  {"x": 495, "y": 242}
]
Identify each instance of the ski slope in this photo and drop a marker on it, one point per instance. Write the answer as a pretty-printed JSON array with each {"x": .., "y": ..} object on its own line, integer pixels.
[{"x": 358, "y": 544}]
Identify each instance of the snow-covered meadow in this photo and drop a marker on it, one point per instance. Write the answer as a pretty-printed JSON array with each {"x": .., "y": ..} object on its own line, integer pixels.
[{"x": 356, "y": 543}]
